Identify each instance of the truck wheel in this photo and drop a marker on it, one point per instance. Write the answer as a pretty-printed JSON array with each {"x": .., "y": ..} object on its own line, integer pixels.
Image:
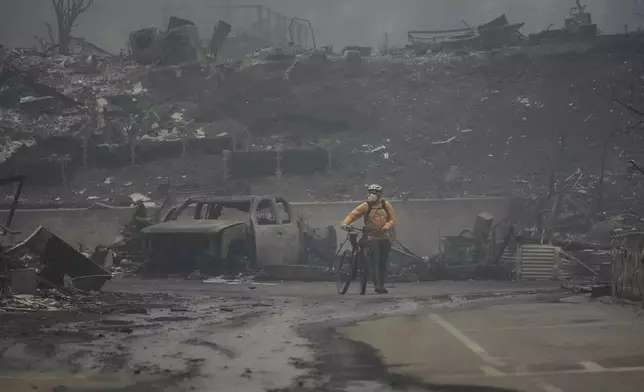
[
  {"x": 238, "y": 260},
  {"x": 206, "y": 263}
]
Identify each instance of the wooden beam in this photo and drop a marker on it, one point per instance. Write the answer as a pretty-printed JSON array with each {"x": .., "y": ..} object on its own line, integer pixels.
[{"x": 438, "y": 31}]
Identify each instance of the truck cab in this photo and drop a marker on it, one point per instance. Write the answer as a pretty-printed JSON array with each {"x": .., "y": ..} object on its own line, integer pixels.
[{"x": 224, "y": 234}]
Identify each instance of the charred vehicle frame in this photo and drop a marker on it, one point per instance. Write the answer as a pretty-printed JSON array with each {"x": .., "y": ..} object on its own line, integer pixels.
[{"x": 223, "y": 235}]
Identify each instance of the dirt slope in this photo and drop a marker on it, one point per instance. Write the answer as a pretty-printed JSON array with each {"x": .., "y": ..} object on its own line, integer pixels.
[{"x": 439, "y": 126}]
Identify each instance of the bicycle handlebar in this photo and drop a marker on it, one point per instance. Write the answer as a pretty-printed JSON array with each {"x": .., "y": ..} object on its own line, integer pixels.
[{"x": 352, "y": 229}]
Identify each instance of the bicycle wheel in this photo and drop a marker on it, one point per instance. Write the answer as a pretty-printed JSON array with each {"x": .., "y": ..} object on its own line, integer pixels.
[
  {"x": 343, "y": 270},
  {"x": 365, "y": 271}
]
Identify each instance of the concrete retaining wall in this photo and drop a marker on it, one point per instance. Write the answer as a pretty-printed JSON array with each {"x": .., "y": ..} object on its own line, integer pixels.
[
  {"x": 249, "y": 164},
  {"x": 89, "y": 227},
  {"x": 420, "y": 222}
]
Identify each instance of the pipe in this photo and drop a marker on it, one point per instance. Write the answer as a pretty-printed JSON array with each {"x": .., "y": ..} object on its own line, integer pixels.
[{"x": 290, "y": 29}]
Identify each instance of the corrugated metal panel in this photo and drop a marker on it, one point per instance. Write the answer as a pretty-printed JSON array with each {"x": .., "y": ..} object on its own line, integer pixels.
[
  {"x": 539, "y": 262},
  {"x": 509, "y": 256}
]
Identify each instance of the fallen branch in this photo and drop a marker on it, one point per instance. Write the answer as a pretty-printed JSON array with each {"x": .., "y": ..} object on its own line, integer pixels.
[
  {"x": 47, "y": 47},
  {"x": 576, "y": 260},
  {"x": 629, "y": 107}
]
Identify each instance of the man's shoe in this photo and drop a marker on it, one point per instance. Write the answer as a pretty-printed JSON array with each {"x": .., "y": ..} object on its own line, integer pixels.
[{"x": 381, "y": 290}]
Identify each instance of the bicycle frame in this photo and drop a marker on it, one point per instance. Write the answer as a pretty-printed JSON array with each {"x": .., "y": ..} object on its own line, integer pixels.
[
  {"x": 359, "y": 244},
  {"x": 359, "y": 261},
  {"x": 353, "y": 240}
]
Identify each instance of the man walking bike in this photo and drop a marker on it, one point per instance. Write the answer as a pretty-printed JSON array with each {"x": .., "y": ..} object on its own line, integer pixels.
[{"x": 379, "y": 220}]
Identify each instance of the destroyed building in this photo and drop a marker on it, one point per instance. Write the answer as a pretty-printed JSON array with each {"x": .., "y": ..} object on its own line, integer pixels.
[
  {"x": 174, "y": 214},
  {"x": 294, "y": 113}
]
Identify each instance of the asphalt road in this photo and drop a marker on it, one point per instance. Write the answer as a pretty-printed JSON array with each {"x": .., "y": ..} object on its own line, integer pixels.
[
  {"x": 568, "y": 346},
  {"x": 320, "y": 290},
  {"x": 304, "y": 337}
]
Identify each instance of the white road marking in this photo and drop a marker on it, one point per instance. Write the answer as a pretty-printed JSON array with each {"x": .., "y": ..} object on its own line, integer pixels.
[
  {"x": 522, "y": 327},
  {"x": 469, "y": 343},
  {"x": 592, "y": 366},
  {"x": 546, "y": 373},
  {"x": 546, "y": 386},
  {"x": 491, "y": 371}
]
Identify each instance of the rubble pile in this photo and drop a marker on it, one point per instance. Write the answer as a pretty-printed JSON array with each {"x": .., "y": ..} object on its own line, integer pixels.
[
  {"x": 471, "y": 121},
  {"x": 475, "y": 124},
  {"x": 45, "y": 300},
  {"x": 98, "y": 109},
  {"x": 494, "y": 34},
  {"x": 45, "y": 273}
]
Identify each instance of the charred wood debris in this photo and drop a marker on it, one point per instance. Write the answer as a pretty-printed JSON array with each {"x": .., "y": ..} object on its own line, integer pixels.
[
  {"x": 42, "y": 272},
  {"x": 97, "y": 105}
]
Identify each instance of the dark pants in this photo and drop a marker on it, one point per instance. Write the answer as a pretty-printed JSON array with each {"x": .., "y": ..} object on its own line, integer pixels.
[{"x": 379, "y": 255}]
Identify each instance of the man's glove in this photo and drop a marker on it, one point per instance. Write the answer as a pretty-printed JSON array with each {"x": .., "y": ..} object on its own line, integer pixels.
[
  {"x": 344, "y": 227},
  {"x": 386, "y": 229}
]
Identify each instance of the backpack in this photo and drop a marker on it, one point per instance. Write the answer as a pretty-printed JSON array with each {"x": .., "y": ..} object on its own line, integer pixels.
[{"x": 392, "y": 233}]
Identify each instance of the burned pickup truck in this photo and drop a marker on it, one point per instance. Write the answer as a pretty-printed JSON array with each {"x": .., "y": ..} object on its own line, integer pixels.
[{"x": 224, "y": 235}]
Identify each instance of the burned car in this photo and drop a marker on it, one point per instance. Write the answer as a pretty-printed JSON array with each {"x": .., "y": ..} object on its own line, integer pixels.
[{"x": 223, "y": 235}]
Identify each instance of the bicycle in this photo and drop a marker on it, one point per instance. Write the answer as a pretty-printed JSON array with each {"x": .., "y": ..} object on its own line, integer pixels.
[{"x": 353, "y": 262}]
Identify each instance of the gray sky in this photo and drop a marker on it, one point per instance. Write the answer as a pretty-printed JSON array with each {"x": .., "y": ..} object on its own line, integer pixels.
[{"x": 336, "y": 22}]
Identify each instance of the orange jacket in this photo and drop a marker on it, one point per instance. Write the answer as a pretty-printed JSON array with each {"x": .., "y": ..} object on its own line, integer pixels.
[{"x": 378, "y": 218}]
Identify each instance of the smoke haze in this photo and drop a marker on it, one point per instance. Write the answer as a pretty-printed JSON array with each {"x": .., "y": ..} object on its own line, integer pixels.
[{"x": 336, "y": 22}]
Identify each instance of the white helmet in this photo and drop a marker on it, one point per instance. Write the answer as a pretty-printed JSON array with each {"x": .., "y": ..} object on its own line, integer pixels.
[{"x": 375, "y": 188}]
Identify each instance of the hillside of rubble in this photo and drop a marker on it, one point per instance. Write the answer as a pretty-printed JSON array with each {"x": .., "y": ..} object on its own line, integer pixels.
[{"x": 439, "y": 125}]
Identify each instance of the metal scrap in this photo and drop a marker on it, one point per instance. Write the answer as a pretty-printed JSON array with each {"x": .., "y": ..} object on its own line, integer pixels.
[
  {"x": 180, "y": 43},
  {"x": 494, "y": 34},
  {"x": 219, "y": 36},
  {"x": 56, "y": 259}
]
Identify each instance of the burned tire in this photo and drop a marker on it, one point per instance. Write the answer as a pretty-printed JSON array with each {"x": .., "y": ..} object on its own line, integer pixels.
[
  {"x": 206, "y": 263},
  {"x": 343, "y": 271},
  {"x": 238, "y": 259}
]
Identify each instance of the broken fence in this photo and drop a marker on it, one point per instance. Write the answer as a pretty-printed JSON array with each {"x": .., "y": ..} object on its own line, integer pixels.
[
  {"x": 36, "y": 161},
  {"x": 628, "y": 266}
]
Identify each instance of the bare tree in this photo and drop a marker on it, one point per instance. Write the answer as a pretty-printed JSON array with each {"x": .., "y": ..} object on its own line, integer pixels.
[
  {"x": 67, "y": 11},
  {"x": 47, "y": 45}
]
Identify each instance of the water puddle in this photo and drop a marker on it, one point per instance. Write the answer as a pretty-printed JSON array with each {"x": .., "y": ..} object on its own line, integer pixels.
[
  {"x": 413, "y": 346},
  {"x": 423, "y": 353}
]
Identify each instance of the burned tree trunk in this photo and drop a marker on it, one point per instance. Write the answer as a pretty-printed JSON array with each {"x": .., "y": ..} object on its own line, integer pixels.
[
  {"x": 63, "y": 40},
  {"x": 543, "y": 208},
  {"x": 67, "y": 11}
]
